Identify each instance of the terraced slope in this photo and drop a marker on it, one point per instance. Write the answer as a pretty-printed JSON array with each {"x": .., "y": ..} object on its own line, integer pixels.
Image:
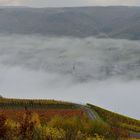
[
  {"x": 117, "y": 121},
  {"x": 14, "y": 108}
]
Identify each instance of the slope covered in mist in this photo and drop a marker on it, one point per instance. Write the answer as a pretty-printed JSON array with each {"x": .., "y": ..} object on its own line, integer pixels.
[{"x": 116, "y": 22}]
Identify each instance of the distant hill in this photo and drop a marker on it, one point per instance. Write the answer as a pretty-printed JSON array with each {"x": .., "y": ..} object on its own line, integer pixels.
[{"x": 114, "y": 22}]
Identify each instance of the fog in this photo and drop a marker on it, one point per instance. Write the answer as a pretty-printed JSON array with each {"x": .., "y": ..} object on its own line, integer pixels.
[
  {"x": 67, "y": 3},
  {"x": 104, "y": 72}
]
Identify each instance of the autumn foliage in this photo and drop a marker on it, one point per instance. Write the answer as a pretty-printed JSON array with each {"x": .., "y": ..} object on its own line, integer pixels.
[
  {"x": 45, "y": 114},
  {"x": 116, "y": 120},
  {"x": 53, "y": 120},
  {"x": 3, "y": 128},
  {"x": 57, "y": 128}
]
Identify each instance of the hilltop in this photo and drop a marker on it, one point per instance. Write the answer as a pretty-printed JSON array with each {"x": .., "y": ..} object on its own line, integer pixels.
[{"x": 108, "y": 22}]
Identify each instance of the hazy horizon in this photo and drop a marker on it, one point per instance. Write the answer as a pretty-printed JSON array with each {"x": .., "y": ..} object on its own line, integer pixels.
[{"x": 67, "y": 3}]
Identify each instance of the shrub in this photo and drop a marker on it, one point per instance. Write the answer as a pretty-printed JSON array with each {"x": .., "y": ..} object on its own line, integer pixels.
[
  {"x": 12, "y": 129},
  {"x": 100, "y": 128},
  {"x": 50, "y": 133},
  {"x": 3, "y": 128},
  {"x": 119, "y": 132},
  {"x": 27, "y": 126}
]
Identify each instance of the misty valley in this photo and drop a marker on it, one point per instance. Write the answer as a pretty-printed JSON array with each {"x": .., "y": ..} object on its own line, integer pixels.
[
  {"x": 101, "y": 71},
  {"x": 69, "y": 72}
]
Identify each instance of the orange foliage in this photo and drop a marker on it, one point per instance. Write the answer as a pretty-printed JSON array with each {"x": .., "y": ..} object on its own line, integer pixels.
[{"x": 45, "y": 115}]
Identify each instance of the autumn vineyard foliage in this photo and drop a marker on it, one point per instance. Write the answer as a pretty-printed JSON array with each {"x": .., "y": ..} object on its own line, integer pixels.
[
  {"x": 117, "y": 120},
  {"x": 22, "y": 103},
  {"x": 52, "y": 120},
  {"x": 57, "y": 128},
  {"x": 30, "y": 127},
  {"x": 44, "y": 114}
]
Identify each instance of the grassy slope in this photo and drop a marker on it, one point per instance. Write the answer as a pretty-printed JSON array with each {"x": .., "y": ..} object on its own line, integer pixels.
[
  {"x": 115, "y": 119},
  {"x": 34, "y": 103},
  {"x": 102, "y": 115}
]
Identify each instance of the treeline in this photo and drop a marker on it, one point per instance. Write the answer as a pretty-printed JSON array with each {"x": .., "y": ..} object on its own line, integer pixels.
[
  {"x": 57, "y": 128},
  {"x": 117, "y": 120}
]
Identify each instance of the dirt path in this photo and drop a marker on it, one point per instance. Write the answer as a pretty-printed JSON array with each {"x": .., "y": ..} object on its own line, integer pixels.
[{"x": 88, "y": 111}]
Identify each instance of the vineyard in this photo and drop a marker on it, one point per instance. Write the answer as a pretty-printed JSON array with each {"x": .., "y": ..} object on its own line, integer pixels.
[
  {"x": 46, "y": 109},
  {"x": 60, "y": 127},
  {"x": 45, "y": 115},
  {"x": 27, "y": 103},
  {"x": 57, "y": 120},
  {"x": 117, "y": 120}
]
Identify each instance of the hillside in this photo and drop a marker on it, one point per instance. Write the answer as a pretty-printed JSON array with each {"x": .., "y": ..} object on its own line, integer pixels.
[
  {"x": 114, "y": 22},
  {"x": 79, "y": 120},
  {"x": 117, "y": 120}
]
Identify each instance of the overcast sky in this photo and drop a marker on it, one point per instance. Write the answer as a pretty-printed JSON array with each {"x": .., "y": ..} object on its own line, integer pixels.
[{"x": 67, "y": 3}]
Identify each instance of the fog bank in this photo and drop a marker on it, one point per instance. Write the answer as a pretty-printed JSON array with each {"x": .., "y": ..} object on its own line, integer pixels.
[{"x": 104, "y": 72}]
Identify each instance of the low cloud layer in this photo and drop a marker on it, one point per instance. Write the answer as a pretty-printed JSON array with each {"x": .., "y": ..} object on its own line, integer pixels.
[
  {"x": 68, "y": 3},
  {"x": 104, "y": 72}
]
